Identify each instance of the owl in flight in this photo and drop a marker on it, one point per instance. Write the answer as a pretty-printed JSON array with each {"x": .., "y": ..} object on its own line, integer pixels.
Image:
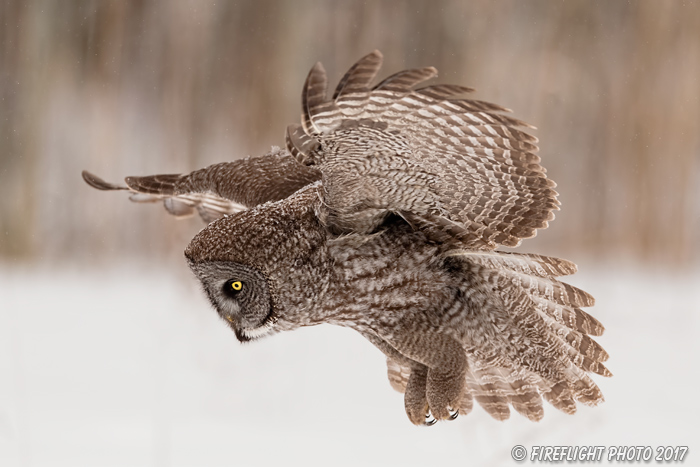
[{"x": 383, "y": 215}]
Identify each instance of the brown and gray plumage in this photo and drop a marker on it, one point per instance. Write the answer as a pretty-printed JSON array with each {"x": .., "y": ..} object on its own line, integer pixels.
[{"x": 383, "y": 216}]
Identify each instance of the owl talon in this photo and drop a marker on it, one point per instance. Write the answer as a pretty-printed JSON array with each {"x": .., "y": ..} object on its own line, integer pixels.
[
  {"x": 453, "y": 413},
  {"x": 430, "y": 420}
]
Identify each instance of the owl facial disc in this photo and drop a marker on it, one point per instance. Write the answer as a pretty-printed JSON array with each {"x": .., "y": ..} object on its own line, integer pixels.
[{"x": 240, "y": 295}]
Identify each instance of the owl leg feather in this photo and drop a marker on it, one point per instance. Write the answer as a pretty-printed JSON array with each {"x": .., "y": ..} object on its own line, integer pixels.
[
  {"x": 446, "y": 364},
  {"x": 441, "y": 390},
  {"x": 415, "y": 399},
  {"x": 413, "y": 385},
  {"x": 444, "y": 392}
]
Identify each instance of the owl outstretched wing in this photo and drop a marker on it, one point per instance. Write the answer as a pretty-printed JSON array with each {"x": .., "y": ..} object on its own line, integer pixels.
[
  {"x": 219, "y": 189},
  {"x": 456, "y": 167}
]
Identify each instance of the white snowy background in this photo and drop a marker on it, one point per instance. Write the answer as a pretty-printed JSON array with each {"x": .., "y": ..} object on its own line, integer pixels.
[{"x": 130, "y": 367}]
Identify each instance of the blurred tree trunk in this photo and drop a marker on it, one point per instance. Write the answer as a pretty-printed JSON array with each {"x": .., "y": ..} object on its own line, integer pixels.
[{"x": 135, "y": 87}]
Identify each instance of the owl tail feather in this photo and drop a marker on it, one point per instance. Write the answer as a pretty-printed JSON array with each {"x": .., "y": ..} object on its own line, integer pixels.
[{"x": 541, "y": 345}]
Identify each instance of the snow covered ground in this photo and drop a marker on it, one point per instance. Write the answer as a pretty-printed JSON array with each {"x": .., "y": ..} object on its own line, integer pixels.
[{"x": 130, "y": 367}]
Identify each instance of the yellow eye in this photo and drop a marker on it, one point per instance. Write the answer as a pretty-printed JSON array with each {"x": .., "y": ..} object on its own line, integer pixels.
[{"x": 232, "y": 288}]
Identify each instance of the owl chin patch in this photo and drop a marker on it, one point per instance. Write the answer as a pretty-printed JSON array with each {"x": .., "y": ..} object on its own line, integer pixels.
[{"x": 249, "y": 334}]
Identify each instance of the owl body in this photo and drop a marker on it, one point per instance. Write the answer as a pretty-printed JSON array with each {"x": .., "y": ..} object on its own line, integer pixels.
[
  {"x": 346, "y": 279},
  {"x": 417, "y": 301},
  {"x": 383, "y": 215}
]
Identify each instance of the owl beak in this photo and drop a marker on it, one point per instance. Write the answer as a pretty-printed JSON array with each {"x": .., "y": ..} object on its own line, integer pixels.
[{"x": 240, "y": 334}]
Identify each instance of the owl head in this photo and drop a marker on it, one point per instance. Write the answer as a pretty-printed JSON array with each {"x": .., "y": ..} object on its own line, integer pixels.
[{"x": 262, "y": 268}]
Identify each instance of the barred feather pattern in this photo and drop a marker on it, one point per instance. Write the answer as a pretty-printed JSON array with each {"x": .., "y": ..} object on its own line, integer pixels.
[
  {"x": 502, "y": 372},
  {"x": 220, "y": 189},
  {"x": 484, "y": 174}
]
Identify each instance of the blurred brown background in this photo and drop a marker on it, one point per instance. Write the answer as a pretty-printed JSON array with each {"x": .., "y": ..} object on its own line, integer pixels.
[{"x": 139, "y": 87}]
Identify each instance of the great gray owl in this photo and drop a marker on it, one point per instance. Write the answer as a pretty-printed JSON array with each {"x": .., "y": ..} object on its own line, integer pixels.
[{"x": 383, "y": 215}]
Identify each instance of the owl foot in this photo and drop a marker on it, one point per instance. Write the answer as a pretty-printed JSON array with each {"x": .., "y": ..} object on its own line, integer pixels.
[
  {"x": 443, "y": 392},
  {"x": 428, "y": 400},
  {"x": 430, "y": 420}
]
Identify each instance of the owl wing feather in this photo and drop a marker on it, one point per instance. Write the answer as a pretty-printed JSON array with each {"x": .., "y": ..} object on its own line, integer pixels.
[
  {"x": 155, "y": 188},
  {"x": 219, "y": 189},
  {"x": 449, "y": 163}
]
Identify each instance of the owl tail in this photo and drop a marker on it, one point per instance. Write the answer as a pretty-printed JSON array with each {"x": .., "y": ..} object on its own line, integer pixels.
[{"x": 539, "y": 343}]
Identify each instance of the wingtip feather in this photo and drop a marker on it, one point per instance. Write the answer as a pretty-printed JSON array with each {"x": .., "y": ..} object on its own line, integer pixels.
[{"x": 98, "y": 183}]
